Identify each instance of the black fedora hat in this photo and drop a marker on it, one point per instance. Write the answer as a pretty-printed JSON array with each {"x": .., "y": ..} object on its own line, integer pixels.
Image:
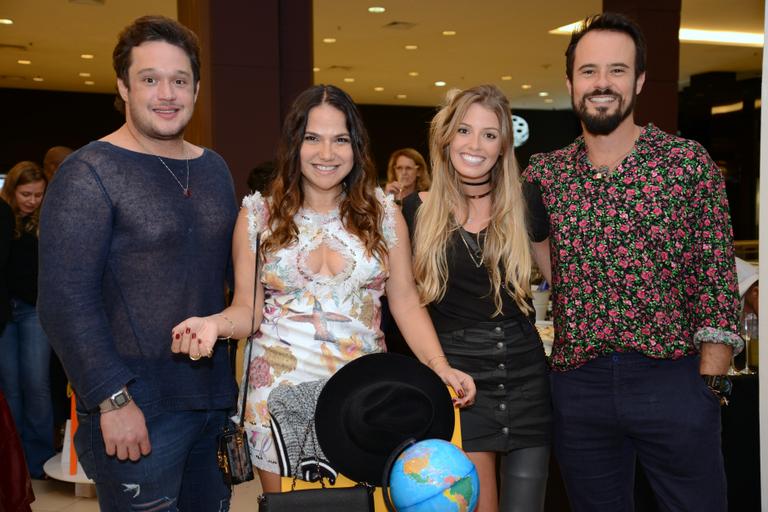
[{"x": 373, "y": 404}]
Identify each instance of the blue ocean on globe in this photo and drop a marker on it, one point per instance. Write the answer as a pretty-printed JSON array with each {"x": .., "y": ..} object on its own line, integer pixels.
[{"x": 434, "y": 476}]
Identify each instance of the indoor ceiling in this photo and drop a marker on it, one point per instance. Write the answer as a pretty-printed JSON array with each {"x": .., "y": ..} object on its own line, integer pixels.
[{"x": 505, "y": 42}]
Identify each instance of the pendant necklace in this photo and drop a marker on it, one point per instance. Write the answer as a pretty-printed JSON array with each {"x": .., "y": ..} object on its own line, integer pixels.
[
  {"x": 475, "y": 255},
  {"x": 184, "y": 188},
  {"x": 604, "y": 171}
]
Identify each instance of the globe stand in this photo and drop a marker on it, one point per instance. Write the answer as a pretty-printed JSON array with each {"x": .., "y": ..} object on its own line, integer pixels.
[{"x": 388, "y": 469}]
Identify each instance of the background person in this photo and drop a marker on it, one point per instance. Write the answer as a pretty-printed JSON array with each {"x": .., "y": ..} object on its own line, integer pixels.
[
  {"x": 331, "y": 245},
  {"x": 407, "y": 172},
  {"x": 26, "y": 353},
  {"x": 472, "y": 264},
  {"x": 52, "y": 160}
]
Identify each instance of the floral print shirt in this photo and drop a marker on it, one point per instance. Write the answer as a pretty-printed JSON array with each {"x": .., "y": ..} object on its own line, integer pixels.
[{"x": 642, "y": 259}]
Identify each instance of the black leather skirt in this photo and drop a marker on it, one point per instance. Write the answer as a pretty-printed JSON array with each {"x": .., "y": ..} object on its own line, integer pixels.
[{"x": 513, "y": 407}]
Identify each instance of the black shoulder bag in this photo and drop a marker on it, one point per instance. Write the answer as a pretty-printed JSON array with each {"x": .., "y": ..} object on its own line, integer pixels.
[{"x": 233, "y": 455}]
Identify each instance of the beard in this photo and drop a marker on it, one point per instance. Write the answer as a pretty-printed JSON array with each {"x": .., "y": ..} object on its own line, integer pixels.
[{"x": 603, "y": 123}]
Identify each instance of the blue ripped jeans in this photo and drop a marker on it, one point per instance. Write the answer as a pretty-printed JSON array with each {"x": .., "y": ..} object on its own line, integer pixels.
[{"x": 180, "y": 474}]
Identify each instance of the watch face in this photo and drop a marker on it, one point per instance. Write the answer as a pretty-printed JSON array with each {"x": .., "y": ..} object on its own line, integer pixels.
[{"x": 120, "y": 399}]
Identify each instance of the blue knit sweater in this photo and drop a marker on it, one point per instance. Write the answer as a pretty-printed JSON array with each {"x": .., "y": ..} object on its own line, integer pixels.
[{"x": 124, "y": 257}]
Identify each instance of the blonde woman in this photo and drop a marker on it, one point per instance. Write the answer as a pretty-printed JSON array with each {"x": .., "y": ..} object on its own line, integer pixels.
[
  {"x": 407, "y": 172},
  {"x": 472, "y": 260}
]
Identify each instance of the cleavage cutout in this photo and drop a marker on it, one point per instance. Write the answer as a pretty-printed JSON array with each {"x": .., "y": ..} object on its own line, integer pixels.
[{"x": 325, "y": 261}]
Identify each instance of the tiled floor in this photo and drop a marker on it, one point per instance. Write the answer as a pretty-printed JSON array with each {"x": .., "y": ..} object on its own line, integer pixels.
[{"x": 55, "y": 496}]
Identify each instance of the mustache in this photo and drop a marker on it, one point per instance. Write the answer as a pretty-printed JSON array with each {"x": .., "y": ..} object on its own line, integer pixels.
[{"x": 603, "y": 92}]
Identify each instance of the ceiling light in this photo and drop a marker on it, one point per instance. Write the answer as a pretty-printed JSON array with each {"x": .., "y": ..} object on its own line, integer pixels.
[
  {"x": 449, "y": 32},
  {"x": 86, "y": 56},
  {"x": 349, "y": 79},
  {"x": 329, "y": 40},
  {"x": 378, "y": 89},
  {"x": 727, "y": 109},
  {"x": 543, "y": 94},
  {"x": 506, "y": 77},
  {"x": 691, "y": 35},
  {"x": 24, "y": 61},
  {"x": 376, "y": 10},
  {"x": 413, "y": 73},
  {"x": 401, "y": 96},
  {"x": 6, "y": 21},
  {"x": 440, "y": 83},
  {"x": 549, "y": 100},
  {"x": 411, "y": 47},
  {"x": 315, "y": 69},
  {"x": 84, "y": 75},
  {"x": 37, "y": 78},
  {"x": 89, "y": 82},
  {"x": 526, "y": 86}
]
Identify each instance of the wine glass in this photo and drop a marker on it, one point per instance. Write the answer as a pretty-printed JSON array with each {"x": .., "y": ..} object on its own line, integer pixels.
[{"x": 749, "y": 332}]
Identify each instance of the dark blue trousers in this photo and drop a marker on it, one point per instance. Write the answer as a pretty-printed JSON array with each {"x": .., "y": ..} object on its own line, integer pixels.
[{"x": 625, "y": 407}]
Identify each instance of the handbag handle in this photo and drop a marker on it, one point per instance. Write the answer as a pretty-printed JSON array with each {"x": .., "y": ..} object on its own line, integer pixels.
[
  {"x": 388, "y": 468},
  {"x": 247, "y": 364}
]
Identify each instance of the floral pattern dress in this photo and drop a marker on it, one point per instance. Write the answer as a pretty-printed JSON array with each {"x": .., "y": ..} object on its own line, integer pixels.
[{"x": 313, "y": 323}]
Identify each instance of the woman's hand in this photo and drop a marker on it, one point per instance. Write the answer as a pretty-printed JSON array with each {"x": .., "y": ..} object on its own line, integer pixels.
[
  {"x": 462, "y": 384},
  {"x": 393, "y": 187},
  {"x": 195, "y": 336}
]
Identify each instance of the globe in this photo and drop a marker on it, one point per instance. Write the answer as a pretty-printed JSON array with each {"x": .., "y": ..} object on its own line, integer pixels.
[{"x": 434, "y": 476}]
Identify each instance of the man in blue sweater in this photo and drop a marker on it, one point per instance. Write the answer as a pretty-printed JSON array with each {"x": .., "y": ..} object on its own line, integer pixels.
[{"x": 135, "y": 236}]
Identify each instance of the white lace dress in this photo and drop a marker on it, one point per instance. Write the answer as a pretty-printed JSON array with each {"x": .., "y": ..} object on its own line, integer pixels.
[{"x": 313, "y": 324}]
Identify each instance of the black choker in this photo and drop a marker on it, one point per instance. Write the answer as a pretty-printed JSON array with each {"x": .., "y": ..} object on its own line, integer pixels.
[
  {"x": 473, "y": 184},
  {"x": 478, "y": 196}
]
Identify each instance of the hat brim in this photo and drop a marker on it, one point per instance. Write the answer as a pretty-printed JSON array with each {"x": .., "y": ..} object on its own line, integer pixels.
[{"x": 346, "y": 456}]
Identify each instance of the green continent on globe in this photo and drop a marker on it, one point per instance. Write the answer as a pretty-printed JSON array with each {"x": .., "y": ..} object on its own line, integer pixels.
[{"x": 460, "y": 493}]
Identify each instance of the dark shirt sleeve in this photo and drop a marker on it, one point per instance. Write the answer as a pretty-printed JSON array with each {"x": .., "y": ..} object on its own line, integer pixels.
[
  {"x": 75, "y": 236},
  {"x": 7, "y": 224},
  {"x": 537, "y": 217}
]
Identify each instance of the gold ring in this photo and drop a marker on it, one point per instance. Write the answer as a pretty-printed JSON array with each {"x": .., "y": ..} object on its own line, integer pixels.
[{"x": 194, "y": 358}]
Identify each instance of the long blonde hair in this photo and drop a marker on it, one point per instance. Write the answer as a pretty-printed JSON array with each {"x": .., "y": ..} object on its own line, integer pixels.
[{"x": 506, "y": 252}]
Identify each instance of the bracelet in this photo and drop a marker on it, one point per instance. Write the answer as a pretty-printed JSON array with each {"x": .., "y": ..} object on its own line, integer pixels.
[
  {"x": 429, "y": 361},
  {"x": 231, "y": 326}
]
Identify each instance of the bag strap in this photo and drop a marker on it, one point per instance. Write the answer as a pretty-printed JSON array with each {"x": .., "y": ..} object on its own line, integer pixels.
[
  {"x": 310, "y": 425},
  {"x": 388, "y": 469},
  {"x": 247, "y": 364}
]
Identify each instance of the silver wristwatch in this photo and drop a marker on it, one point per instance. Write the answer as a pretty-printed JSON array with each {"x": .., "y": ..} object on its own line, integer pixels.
[{"x": 116, "y": 401}]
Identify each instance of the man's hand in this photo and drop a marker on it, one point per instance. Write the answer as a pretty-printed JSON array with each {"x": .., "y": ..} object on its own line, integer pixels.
[
  {"x": 715, "y": 359},
  {"x": 125, "y": 433}
]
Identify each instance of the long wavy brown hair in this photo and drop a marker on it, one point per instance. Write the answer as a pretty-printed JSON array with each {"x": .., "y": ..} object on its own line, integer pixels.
[
  {"x": 21, "y": 174},
  {"x": 361, "y": 213}
]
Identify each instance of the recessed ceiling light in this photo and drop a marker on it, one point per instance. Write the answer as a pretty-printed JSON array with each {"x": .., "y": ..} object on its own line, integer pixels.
[
  {"x": 84, "y": 74},
  {"x": 378, "y": 89},
  {"x": 449, "y": 32},
  {"x": 86, "y": 56},
  {"x": 6, "y": 21},
  {"x": 401, "y": 96},
  {"x": 413, "y": 73},
  {"x": 315, "y": 69},
  {"x": 543, "y": 94},
  {"x": 506, "y": 77},
  {"x": 549, "y": 100},
  {"x": 37, "y": 78},
  {"x": 24, "y": 61},
  {"x": 440, "y": 83},
  {"x": 411, "y": 47},
  {"x": 376, "y": 9},
  {"x": 526, "y": 86},
  {"x": 89, "y": 82},
  {"x": 329, "y": 40},
  {"x": 349, "y": 79}
]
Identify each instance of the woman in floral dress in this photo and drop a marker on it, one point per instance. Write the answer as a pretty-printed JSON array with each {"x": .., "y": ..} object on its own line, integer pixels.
[{"x": 331, "y": 246}]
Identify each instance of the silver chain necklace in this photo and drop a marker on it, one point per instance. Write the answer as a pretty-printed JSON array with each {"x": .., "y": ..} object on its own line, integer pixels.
[{"x": 184, "y": 188}]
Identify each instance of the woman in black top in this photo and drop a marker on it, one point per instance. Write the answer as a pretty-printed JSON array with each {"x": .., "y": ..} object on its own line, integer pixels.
[
  {"x": 24, "y": 349},
  {"x": 472, "y": 261}
]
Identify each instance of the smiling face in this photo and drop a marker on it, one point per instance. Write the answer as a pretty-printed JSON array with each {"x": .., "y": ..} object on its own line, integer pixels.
[
  {"x": 326, "y": 151},
  {"x": 160, "y": 96},
  {"x": 29, "y": 196},
  {"x": 476, "y": 145},
  {"x": 604, "y": 86}
]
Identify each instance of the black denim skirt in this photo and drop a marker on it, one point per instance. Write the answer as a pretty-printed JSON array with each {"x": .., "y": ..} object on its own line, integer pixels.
[{"x": 513, "y": 407}]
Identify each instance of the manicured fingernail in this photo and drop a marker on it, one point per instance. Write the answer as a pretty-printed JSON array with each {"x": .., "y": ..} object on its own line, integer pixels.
[
  {"x": 194, "y": 335},
  {"x": 177, "y": 336},
  {"x": 188, "y": 329},
  {"x": 454, "y": 401},
  {"x": 460, "y": 393}
]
